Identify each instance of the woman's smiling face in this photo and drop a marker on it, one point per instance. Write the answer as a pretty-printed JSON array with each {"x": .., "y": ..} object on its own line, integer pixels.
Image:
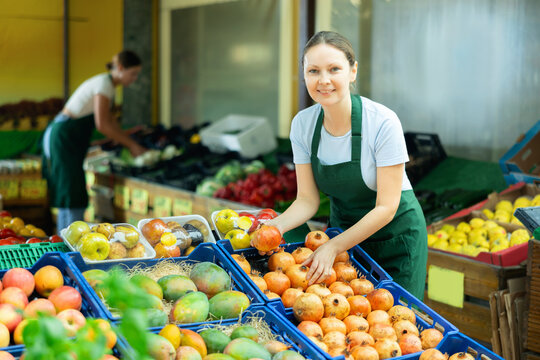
[{"x": 328, "y": 74}]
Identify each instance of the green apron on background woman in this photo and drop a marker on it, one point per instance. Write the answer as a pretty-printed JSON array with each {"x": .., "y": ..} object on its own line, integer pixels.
[{"x": 401, "y": 246}]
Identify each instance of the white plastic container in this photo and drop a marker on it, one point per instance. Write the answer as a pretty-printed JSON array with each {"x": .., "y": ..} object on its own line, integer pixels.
[
  {"x": 182, "y": 220},
  {"x": 251, "y": 136},
  {"x": 149, "y": 252}
]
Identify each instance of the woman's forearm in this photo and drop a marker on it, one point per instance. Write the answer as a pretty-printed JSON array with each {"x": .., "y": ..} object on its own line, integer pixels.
[{"x": 300, "y": 211}]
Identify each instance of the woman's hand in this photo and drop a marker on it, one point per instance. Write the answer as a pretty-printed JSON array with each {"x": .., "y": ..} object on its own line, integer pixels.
[{"x": 321, "y": 262}]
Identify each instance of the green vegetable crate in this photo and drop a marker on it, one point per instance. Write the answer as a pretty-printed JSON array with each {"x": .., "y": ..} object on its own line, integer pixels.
[{"x": 25, "y": 255}]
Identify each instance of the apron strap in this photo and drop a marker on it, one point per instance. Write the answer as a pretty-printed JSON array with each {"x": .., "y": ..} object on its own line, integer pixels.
[
  {"x": 356, "y": 127},
  {"x": 317, "y": 135}
]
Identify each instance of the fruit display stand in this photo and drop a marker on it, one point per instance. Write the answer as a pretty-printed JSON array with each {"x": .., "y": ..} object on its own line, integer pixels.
[
  {"x": 279, "y": 327},
  {"x": 26, "y": 255},
  {"x": 479, "y": 280},
  {"x": 203, "y": 252},
  {"x": 532, "y": 331},
  {"x": 426, "y": 318},
  {"x": 72, "y": 277}
]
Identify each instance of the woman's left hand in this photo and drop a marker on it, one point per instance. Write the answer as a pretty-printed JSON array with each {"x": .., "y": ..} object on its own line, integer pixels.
[{"x": 321, "y": 262}]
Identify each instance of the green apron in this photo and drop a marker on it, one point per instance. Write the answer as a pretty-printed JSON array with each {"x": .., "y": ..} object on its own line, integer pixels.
[
  {"x": 69, "y": 142},
  {"x": 401, "y": 246}
]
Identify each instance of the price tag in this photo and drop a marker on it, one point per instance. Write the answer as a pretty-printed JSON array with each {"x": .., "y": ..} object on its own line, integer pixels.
[
  {"x": 33, "y": 188},
  {"x": 9, "y": 189},
  {"x": 182, "y": 207},
  {"x": 121, "y": 197},
  {"x": 162, "y": 206},
  {"x": 139, "y": 201},
  {"x": 446, "y": 286}
]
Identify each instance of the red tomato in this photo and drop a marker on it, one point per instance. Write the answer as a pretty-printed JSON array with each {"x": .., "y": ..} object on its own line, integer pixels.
[
  {"x": 33, "y": 240},
  {"x": 251, "y": 216},
  {"x": 55, "y": 239},
  {"x": 5, "y": 213},
  {"x": 5, "y": 233},
  {"x": 269, "y": 212},
  {"x": 9, "y": 241}
]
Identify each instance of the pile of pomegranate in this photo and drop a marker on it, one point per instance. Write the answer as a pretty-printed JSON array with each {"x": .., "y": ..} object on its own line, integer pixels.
[{"x": 345, "y": 315}]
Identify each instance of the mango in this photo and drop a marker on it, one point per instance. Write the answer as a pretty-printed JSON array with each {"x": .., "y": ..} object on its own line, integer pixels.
[
  {"x": 215, "y": 340},
  {"x": 245, "y": 349},
  {"x": 148, "y": 285},
  {"x": 245, "y": 331},
  {"x": 175, "y": 286},
  {"x": 190, "y": 308},
  {"x": 288, "y": 355},
  {"x": 156, "y": 317},
  {"x": 160, "y": 348},
  {"x": 210, "y": 278},
  {"x": 217, "y": 356},
  {"x": 228, "y": 304},
  {"x": 196, "y": 341}
]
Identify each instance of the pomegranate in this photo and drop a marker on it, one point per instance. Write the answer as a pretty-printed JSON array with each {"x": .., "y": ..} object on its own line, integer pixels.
[
  {"x": 297, "y": 274},
  {"x": 378, "y": 317},
  {"x": 356, "y": 323},
  {"x": 339, "y": 287},
  {"x": 318, "y": 289},
  {"x": 314, "y": 239},
  {"x": 387, "y": 348},
  {"x": 342, "y": 257},
  {"x": 380, "y": 299},
  {"x": 271, "y": 295},
  {"x": 281, "y": 259},
  {"x": 339, "y": 351},
  {"x": 430, "y": 338},
  {"x": 308, "y": 307},
  {"x": 244, "y": 264},
  {"x": 336, "y": 304},
  {"x": 400, "y": 312},
  {"x": 356, "y": 338},
  {"x": 258, "y": 280},
  {"x": 461, "y": 356},
  {"x": 274, "y": 346},
  {"x": 289, "y": 296},
  {"x": 266, "y": 238},
  {"x": 403, "y": 327},
  {"x": 363, "y": 352},
  {"x": 345, "y": 271},
  {"x": 331, "y": 278},
  {"x": 359, "y": 305},
  {"x": 332, "y": 323},
  {"x": 433, "y": 354},
  {"x": 318, "y": 341},
  {"x": 382, "y": 331},
  {"x": 301, "y": 254},
  {"x": 335, "y": 339},
  {"x": 410, "y": 344},
  {"x": 277, "y": 281},
  {"x": 310, "y": 328},
  {"x": 361, "y": 286}
]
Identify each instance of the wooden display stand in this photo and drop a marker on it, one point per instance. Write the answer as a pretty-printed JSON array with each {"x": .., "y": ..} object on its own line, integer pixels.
[
  {"x": 532, "y": 336},
  {"x": 480, "y": 280}
]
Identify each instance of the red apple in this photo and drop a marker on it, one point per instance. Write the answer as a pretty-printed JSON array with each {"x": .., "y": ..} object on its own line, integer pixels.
[
  {"x": 33, "y": 240},
  {"x": 4, "y": 355},
  {"x": 4, "y": 336},
  {"x": 14, "y": 296},
  {"x": 153, "y": 230},
  {"x": 66, "y": 297},
  {"x": 38, "y": 306},
  {"x": 20, "y": 278},
  {"x": 9, "y": 316},
  {"x": 55, "y": 239},
  {"x": 72, "y": 320}
]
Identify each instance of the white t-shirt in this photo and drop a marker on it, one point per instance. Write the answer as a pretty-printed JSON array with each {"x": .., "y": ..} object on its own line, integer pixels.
[
  {"x": 383, "y": 142},
  {"x": 81, "y": 103}
]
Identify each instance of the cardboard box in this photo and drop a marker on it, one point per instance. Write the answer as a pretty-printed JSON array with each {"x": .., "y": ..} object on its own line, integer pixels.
[{"x": 523, "y": 158}]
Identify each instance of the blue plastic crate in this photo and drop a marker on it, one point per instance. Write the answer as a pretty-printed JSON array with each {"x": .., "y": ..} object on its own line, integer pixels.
[
  {"x": 363, "y": 263},
  {"x": 458, "y": 342},
  {"x": 425, "y": 317},
  {"x": 72, "y": 277},
  {"x": 277, "y": 324},
  {"x": 203, "y": 252}
]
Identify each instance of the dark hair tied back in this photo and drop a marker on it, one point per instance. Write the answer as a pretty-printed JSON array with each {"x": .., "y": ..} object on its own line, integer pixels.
[{"x": 126, "y": 58}]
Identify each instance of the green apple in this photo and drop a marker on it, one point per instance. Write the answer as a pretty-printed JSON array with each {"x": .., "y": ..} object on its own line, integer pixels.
[
  {"x": 105, "y": 228},
  {"x": 94, "y": 246},
  {"x": 226, "y": 220},
  {"x": 130, "y": 235},
  {"x": 75, "y": 231}
]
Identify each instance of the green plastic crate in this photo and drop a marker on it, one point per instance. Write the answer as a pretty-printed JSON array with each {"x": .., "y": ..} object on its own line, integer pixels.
[{"x": 25, "y": 255}]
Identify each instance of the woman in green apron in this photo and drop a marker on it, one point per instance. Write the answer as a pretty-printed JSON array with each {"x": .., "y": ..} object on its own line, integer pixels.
[
  {"x": 354, "y": 151},
  {"x": 67, "y": 138}
]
